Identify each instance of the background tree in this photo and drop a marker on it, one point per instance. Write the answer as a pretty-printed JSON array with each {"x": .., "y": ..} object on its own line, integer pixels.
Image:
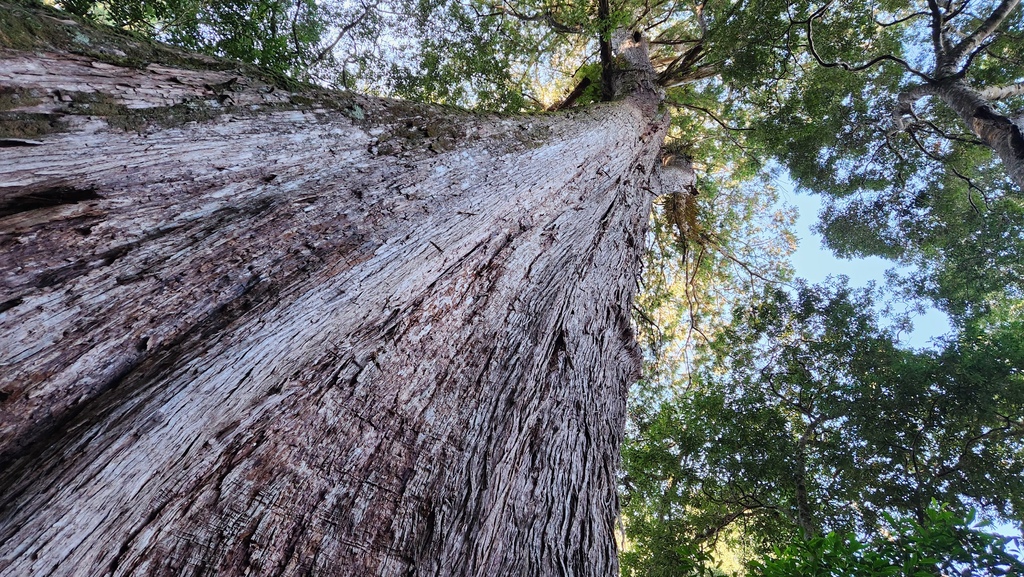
[
  {"x": 906, "y": 118},
  {"x": 943, "y": 543},
  {"x": 808, "y": 419}
]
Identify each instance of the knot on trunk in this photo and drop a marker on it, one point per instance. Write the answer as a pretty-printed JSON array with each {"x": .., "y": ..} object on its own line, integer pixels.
[{"x": 678, "y": 196}]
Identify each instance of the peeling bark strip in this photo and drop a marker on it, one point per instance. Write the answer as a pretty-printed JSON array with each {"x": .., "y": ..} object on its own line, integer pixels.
[{"x": 279, "y": 334}]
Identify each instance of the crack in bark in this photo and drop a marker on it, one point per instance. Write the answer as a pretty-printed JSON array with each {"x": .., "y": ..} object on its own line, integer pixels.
[{"x": 18, "y": 202}]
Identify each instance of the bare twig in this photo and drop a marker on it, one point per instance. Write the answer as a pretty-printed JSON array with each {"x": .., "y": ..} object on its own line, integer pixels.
[
  {"x": 367, "y": 8},
  {"x": 954, "y": 137},
  {"x": 971, "y": 186},
  {"x": 714, "y": 244},
  {"x": 717, "y": 120},
  {"x": 676, "y": 42},
  {"x": 900, "y": 20}
]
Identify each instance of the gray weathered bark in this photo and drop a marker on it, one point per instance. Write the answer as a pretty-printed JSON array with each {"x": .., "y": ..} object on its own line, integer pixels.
[{"x": 250, "y": 330}]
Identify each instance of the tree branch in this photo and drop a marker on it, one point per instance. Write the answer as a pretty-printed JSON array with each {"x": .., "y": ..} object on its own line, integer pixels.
[
  {"x": 900, "y": 20},
  {"x": 713, "y": 529},
  {"x": 987, "y": 28},
  {"x": 648, "y": 9},
  {"x": 718, "y": 120},
  {"x": 683, "y": 62},
  {"x": 674, "y": 42},
  {"x": 1002, "y": 92},
  {"x": 943, "y": 134},
  {"x": 700, "y": 73},
  {"x": 998, "y": 432},
  {"x": 546, "y": 17},
  {"x": 295, "y": 27},
  {"x": 572, "y": 97},
  {"x": 808, "y": 25},
  {"x": 367, "y": 8},
  {"x": 905, "y": 103},
  {"x": 967, "y": 180},
  {"x": 970, "y": 59},
  {"x": 715, "y": 245},
  {"x": 604, "y": 42},
  {"x": 951, "y": 14},
  {"x": 940, "y": 44}
]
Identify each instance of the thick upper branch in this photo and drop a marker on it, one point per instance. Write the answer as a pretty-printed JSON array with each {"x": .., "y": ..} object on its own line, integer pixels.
[
  {"x": 940, "y": 43},
  {"x": 1002, "y": 92},
  {"x": 987, "y": 28},
  {"x": 1004, "y": 135}
]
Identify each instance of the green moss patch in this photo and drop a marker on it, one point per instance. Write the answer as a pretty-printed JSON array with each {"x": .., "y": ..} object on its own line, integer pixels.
[
  {"x": 29, "y": 126},
  {"x": 12, "y": 98}
]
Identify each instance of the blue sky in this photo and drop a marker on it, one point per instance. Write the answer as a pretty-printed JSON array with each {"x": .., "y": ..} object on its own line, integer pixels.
[{"x": 814, "y": 263}]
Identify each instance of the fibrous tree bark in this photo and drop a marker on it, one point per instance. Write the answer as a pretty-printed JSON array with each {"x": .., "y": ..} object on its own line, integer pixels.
[{"x": 253, "y": 328}]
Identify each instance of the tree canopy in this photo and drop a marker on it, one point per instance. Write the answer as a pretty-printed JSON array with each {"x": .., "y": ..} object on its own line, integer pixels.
[
  {"x": 805, "y": 418},
  {"x": 772, "y": 413}
]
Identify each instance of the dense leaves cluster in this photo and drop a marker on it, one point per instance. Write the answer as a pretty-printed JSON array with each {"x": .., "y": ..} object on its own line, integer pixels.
[
  {"x": 806, "y": 418},
  {"x": 940, "y": 544},
  {"x": 447, "y": 52},
  {"x": 279, "y": 35},
  {"x": 881, "y": 116}
]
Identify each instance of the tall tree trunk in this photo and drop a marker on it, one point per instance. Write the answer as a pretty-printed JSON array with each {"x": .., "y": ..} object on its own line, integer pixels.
[
  {"x": 804, "y": 515},
  {"x": 252, "y": 330}
]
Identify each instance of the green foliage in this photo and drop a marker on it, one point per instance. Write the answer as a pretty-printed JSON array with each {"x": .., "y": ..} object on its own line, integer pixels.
[
  {"x": 276, "y": 34},
  {"x": 730, "y": 242},
  {"x": 662, "y": 553},
  {"x": 805, "y": 418},
  {"x": 454, "y": 55},
  {"x": 943, "y": 543},
  {"x": 926, "y": 192}
]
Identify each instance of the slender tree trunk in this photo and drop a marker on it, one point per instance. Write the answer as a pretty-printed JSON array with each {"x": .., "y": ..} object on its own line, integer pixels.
[
  {"x": 1003, "y": 134},
  {"x": 252, "y": 330},
  {"x": 804, "y": 514}
]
